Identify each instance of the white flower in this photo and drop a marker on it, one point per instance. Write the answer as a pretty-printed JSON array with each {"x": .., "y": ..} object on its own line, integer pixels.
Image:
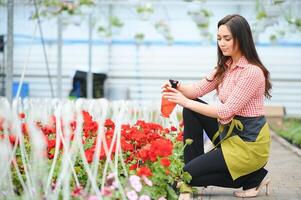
[
  {"x": 147, "y": 181},
  {"x": 132, "y": 195},
  {"x": 114, "y": 185},
  {"x": 162, "y": 198},
  {"x": 144, "y": 197},
  {"x": 135, "y": 182},
  {"x": 111, "y": 176}
]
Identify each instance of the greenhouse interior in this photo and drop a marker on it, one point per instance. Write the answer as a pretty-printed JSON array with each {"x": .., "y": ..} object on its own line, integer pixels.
[{"x": 82, "y": 107}]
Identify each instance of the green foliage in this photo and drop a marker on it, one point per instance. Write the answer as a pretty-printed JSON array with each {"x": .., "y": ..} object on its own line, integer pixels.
[
  {"x": 291, "y": 130},
  {"x": 116, "y": 22},
  {"x": 139, "y": 37},
  {"x": 261, "y": 15},
  {"x": 144, "y": 9},
  {"x": 2, "y": 2}
]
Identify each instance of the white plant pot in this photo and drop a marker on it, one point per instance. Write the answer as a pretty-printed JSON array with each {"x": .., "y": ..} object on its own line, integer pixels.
[
  {"x": 144, "y": 16},
  {"x": 199, "y": 19},
  {"x": 162, "y": 30}
]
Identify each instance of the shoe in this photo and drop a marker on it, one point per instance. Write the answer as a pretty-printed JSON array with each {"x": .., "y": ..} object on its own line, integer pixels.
[
  {"x": 253, "y": 192},
  {"x": 185, "y": 196}
]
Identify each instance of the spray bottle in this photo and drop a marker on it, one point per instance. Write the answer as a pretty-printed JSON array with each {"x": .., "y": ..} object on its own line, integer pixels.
[{"x": 168, "y": 106}]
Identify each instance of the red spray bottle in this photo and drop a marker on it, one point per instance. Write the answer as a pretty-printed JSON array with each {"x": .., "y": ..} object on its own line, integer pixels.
[{"x": 168, "y": 106}]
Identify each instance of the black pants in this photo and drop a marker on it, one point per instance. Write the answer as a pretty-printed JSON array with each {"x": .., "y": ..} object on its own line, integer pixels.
[{"x": 210, "y": 168}]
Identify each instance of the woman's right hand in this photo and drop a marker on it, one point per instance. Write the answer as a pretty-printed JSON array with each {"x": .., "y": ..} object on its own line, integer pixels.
[{"x": 165, "y": 86}]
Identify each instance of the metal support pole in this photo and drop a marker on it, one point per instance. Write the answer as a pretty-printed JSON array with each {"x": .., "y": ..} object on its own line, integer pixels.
[
  {"x": 90, "y": 77},
  {"x": 9, "y": 50},
  {"x": 59, "y": 56}
]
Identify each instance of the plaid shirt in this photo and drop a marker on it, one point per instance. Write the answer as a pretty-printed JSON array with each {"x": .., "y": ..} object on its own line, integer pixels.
[{"x": 240, "y": 93}]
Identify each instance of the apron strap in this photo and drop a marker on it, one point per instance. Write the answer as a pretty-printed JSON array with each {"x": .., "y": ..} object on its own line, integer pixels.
[{"x": 234, "y": 123}]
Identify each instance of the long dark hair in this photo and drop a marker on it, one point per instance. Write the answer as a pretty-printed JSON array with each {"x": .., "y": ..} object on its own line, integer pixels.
[{"x": 241, "y": 33}]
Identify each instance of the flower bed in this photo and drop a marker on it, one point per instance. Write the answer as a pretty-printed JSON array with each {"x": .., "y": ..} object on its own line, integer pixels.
[
  {"x": 291, "y": 131},
  {"x": 65, "y": 150}
]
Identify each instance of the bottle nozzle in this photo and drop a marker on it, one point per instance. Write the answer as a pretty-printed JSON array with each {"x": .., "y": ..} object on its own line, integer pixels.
[{"x": 173, "y": 83}]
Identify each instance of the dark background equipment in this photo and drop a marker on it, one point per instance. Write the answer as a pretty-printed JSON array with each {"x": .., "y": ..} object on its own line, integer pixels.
[{"x": 79, "y": 84}]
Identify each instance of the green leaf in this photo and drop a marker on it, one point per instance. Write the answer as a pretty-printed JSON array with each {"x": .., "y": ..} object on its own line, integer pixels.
[{"x": 171, "y": 194}]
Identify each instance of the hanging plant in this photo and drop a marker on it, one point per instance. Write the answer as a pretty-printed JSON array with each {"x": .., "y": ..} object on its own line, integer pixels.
[
  {"x": 277, "y": 35},
  {"x": 163, "y": 28},
  {"x": 71, "y": 11},
  {"x": 115, "y": 25},
  {"x": 277, "y": 1},
  {"x": 2, "y": 2},
  {"x": 201, "y": 17},
  {"x": 115, "y": 22},
  {"x": 294, "y": 22},
  {"x": 298, "y": 23},
  {"x": 103, "y": 32},
  {"x": 113, "y": 28},
  {"x": 139, "y": 37},
  {"x": 273, "y": 10},
  {"x": 268, "y": 16},
  {"x": 170, "y": 39},
  {"x": 144, "y": 11}
]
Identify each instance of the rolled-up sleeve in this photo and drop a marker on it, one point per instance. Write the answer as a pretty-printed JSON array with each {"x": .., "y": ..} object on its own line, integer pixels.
[
  {"x": 205, "y": 85},
  {"x": 250, "y": 79}
]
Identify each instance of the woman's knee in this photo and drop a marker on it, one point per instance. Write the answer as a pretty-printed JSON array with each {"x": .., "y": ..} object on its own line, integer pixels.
[{"x": 188, "y": 169}]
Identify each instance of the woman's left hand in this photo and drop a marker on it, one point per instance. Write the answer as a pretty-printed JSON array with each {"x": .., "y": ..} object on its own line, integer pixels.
[{"x": 176, "y": 96}]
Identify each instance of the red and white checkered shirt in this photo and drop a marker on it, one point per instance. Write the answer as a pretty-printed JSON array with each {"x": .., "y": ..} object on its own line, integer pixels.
[{"x": 240, "y": 93}]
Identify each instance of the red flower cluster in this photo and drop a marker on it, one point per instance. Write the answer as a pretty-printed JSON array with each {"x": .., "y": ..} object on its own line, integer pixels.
[{"x": 141, "y": 143}]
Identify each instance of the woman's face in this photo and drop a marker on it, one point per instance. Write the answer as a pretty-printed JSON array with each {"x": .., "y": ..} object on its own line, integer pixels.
[{"x": 225, "y": 41}]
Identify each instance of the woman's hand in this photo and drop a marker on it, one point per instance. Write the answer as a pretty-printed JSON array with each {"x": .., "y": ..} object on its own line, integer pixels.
[
  {"x": 165, "y": 86},
  {"x": 175, "y": 96}
]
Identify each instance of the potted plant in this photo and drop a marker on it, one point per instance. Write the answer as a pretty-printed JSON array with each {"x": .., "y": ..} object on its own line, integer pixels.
[
  {"x": 86, "y": 6},
  {"x": 144, "y": 11},
  {"x": 201, "y": 17},
  {"x": 2, "y": 2},
  {"x": 115, "y": 24},
  {"x": 294, "y": 23},
  {"x": 163, "y": 28},
  {"x": 113, "y": 28},
  {"x": 71, "y": 11},
  {"x": 273, "y": 9},
  {"x": 139, "y": 37}
]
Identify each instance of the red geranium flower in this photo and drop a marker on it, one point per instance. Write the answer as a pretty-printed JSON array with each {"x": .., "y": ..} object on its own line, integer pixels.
[
  {"x": 180, "y": 136},
  {"x": 77, "y": 191},
  {"x": 172, "y": 128},
  {"x": 89, "y": 153},
  {"x": 134, "y": 166},
  {"x": 12, "y": 139},
  {"x": 144, "y": 171},
  {"x": 165, "y": 162},
  {"x": 22, "y": 115},
  {"x": 109, "y": 124}
]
